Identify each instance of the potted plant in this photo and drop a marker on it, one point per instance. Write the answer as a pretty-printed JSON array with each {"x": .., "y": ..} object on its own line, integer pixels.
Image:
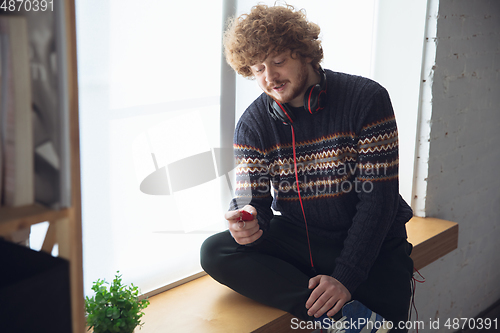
[{"x": 115, "y": 310}]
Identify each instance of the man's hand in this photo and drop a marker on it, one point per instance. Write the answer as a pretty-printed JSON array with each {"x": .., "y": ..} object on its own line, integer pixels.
[
  {"x": 244, "y": 232},
  {"x": 328, "y": 296}
]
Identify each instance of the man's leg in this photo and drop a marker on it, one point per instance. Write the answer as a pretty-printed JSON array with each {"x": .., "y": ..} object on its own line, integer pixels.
[
  {"x": 275, "y": 272},
  {"x": 387, "y": 291}
]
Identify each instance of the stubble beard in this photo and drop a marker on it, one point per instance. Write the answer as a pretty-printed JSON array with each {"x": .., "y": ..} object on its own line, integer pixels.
[{"x": 297, "y": 89}]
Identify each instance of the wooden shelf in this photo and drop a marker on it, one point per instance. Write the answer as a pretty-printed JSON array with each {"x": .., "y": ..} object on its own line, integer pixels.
[
  {"x": 64, "y": 225},
  {"x": 17, "y": 218},
  {"x": 431, "y": 238},
  {"x": 204, "y": 305}
]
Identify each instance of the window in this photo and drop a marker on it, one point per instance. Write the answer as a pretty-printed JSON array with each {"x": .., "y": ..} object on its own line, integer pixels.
[{"x": 149, "y": 83}]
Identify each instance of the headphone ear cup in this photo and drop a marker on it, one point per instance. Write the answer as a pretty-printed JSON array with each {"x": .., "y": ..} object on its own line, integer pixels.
[
  {"x": 279, "y": 111},
  {"x": 321, "y": 100},
  {"x": 315, "y": 96},
  {"x": 311, "y": 98}
]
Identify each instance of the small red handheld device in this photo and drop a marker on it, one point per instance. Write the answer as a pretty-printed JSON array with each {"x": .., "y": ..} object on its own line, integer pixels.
[{"x": 246, "y": 216}]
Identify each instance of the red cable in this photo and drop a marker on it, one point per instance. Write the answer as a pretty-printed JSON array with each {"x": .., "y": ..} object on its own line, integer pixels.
[
  {"x": 300, "y": 198},
  {"x": 414, "y": 287}
]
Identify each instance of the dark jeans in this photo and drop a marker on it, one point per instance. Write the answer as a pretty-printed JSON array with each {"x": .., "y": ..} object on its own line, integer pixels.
[{"x": 276, "y": 272}]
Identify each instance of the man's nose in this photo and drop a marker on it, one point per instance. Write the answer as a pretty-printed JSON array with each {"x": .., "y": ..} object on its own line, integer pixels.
[{"x": 271, "y": 75}]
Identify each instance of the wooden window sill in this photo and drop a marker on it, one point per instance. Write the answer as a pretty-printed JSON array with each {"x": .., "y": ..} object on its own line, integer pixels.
[{"x": 205, "y": 306}]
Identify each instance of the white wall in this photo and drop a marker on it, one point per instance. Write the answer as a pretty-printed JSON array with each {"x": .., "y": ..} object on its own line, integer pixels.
[{"x": 463, "y": 183}]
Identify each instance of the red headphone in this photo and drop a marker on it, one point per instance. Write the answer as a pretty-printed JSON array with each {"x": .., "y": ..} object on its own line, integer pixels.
[{"x": 314, "y": 100}]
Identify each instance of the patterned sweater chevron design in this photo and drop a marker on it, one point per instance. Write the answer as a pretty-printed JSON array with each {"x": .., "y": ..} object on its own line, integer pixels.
[{"x": 347, "y": 164}]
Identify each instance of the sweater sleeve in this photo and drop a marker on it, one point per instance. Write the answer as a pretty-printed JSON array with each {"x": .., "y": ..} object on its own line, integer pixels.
[
  {"x": 376, "y": 180},
  {"x": 252, "y": 174}
]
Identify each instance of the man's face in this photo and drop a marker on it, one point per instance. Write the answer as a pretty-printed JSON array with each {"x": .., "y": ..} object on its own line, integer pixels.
[{"x": 284, "y": 78}]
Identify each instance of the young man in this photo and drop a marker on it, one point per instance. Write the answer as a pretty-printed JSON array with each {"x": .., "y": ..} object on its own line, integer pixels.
[{"x": 327, "y": 144}]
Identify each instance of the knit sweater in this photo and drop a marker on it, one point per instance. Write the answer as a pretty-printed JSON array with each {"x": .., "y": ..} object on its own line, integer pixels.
[{"x": 347, "y": 167}]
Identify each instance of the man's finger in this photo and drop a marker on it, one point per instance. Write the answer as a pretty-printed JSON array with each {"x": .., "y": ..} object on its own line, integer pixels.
[
  {"x": 336, "y": 308},
  {"x": 313, "y": 282},
  {"x": 239, "y": 226},
  {"x": 231, "y": 215},
  {"x": 315, "y": 295},
  {"x": 324, "y": 304},
  {"x": 250, "y": 239}
]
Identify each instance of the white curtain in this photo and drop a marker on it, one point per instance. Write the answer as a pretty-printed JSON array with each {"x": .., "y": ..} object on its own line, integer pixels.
[{"x": 149, "y": 83}]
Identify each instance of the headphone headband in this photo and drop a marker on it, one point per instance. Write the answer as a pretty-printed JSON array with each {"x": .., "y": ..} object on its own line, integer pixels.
[{"x": 314, "y": 100}]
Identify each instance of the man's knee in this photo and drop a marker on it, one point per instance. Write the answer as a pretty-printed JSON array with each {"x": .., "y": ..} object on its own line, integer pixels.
[{"x": 211, "y": 252}]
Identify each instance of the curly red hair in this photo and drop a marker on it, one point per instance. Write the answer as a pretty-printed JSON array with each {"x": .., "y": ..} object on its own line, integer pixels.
[{"x": 251, "y": 38}]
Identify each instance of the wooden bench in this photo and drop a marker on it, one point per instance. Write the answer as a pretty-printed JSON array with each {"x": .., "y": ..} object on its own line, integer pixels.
[{"x": 205, "y": 306}]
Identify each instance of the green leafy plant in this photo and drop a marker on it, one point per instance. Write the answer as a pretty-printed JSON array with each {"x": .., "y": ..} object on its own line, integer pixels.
[{"x": 115, "y": 310}]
